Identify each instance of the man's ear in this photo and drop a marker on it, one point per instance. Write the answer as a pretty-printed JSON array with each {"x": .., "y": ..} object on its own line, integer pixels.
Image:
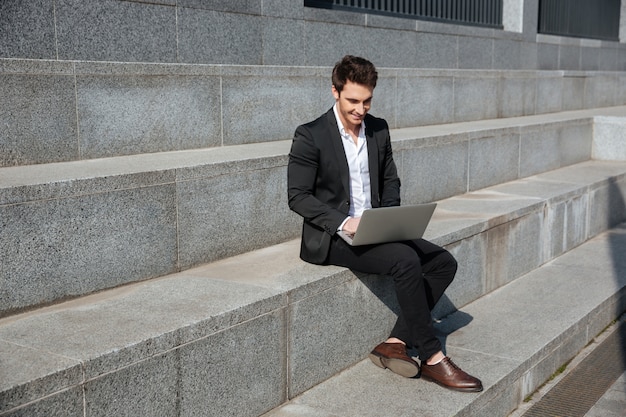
[{"x": 335, "y": 92}]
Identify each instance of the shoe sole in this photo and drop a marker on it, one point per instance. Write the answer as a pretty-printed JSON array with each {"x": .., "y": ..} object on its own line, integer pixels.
[
  {"x": 461, "y": 389},
  {"x": 398, "y": 366}
]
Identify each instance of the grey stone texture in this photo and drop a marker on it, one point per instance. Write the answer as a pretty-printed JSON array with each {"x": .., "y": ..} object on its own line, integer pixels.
[
  {"x": 145, "y": 388},
  {"x": 97, "y": 224},
  {"x": 259, "y": 108},
  {"x": 27, "y": 29},
  {"x": 507, "y": 54},
  {"x": 573, "y": 93},
  {"x": 492, "y": 160},
  {"x": 85, "y": 244},
  {"x": 131, "y": 115},
  {"x": 113, "y": 30},
  {"x": 436, "y": 50},
  {"x": 220, "y": 216},
  {"x": 447, "y": 172},
  {"x": 276, "y": 320},
  {"x": 600, "y": 92},
  {"x": 424, "y": 100},
  {"x": 142, "y": 138},
  {"x": 547, "y": 56},
  {"x": 549, "y": 97},
  {"x": 211, "y": 37},
  {"x": 609, "y": 140},
  {"x": 281, "y": 32},
  {"x": 503, "y": 338},
  {"x": 357, "y": 313},
  {"x": 475, "y": 98},
  {"x": 475, "y": 52},
  {"x": 518, "y": 94},
  {"x": 63, "y": 111},
  {"x": 38, "y": 119},
  {"x": 238, "y": 372}
]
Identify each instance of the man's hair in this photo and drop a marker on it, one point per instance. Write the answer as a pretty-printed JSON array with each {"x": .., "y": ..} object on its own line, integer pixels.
[{"x": 354, "y": 69}]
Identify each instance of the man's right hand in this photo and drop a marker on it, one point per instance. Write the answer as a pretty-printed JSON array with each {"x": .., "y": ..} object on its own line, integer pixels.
[{"x": 351, "y": 225}]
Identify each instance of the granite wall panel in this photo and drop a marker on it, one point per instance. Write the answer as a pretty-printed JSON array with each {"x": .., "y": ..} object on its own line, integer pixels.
[
  {"x": 360, "y": 313},
  {"x": 227, "y": 215},
  {"x": 549, "y": 94},
  {"x": 434, "y": 173},
  {"x": 27, "y": 29},
  {"x": 111, "y": 30},
  {"x": 435, "y": 50},
  {"x": 474, "y": 52},
  {"x": 493, "y": 160},
  {"x": 573, "y": 93},
  {"x": 517, "y": 96},
  {"x": 125, "y": 115},
  {"x": 56, "y": 249},
  {"x": 266, "y": 108},
  {"x": 147, "y": 388},
  {"x": 569, "y": 57},
  {"x": 507, "y": 54},
  {"x": 514, "y": 249},
  {"x": 424, "y": 101},
  {"x": 37, "y": 119},
  {"x": 215, "y": 372},
  {"x": 211, "y": 37},
  {"x": 475, "y": 98},
  {"x": 539, "y": 151}
]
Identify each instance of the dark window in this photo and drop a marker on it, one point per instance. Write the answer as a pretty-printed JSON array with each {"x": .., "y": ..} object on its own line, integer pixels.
[
  {"x": 467, "y": 12},
  {"x": 596, "y": 19}
]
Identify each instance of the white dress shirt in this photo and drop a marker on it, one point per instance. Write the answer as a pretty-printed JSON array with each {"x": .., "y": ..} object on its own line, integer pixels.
[{"x": 358, "y": 162}]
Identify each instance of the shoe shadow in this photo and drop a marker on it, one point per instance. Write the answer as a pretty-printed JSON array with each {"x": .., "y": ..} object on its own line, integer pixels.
[{"x": 450, "y": 324}]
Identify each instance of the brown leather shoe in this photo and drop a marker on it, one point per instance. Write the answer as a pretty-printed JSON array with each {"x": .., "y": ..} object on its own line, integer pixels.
[
  {"x": 446, "y": 373},
  {"x": 394, "y": 357}
]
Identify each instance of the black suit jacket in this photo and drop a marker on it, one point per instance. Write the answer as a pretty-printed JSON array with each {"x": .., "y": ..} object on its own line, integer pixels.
[{"x": 319, "y": 179}]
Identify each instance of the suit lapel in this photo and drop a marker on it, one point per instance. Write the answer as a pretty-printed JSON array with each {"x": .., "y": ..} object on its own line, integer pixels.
[
  {"x": 372, "y": 151},
  {"x": 340, "y": 153}
]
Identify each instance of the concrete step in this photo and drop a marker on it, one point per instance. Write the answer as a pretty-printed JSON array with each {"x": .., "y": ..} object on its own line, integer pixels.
[
  {"x": 88, "y": 110},
  {"x": 242, "y": 335},
  {"x": 513, "y": 339},
  {"x": 74, "y": 228}
]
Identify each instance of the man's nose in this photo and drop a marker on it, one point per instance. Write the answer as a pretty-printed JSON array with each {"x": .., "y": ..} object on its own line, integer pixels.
[{"x": 360, "y": 108}]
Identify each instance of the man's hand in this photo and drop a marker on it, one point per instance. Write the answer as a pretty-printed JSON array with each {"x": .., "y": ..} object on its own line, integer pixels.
[{"x": 351, "y": 225}]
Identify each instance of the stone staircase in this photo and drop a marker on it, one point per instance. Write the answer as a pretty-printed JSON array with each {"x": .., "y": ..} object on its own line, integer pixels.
[{"x": 161, "y": 277}]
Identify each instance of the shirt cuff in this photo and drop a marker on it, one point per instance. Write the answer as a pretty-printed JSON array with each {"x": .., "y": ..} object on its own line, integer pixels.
[{"x": 340, "y": 228}]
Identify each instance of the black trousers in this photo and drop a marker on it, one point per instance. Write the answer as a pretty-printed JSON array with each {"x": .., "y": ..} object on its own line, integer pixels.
[{"x": 421, "y": 272}]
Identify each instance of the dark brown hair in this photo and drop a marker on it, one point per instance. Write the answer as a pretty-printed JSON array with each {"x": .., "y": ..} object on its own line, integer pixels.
[{"x": 355, "y": 69}]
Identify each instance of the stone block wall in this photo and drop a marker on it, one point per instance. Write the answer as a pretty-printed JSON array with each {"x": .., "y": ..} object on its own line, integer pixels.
[
  {"x": 283, "y": 32},
  {"x": 57, "y": 111}
]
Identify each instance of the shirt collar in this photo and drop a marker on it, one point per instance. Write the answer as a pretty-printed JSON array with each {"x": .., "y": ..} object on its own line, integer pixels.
[{"x": 342, "y": 130}]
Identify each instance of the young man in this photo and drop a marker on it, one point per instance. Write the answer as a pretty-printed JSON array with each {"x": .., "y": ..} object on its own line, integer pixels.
[{"x": 340, "y": 165}]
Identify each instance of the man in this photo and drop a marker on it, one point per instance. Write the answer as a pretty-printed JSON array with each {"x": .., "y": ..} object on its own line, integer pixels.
[{"x": 340, "y": 165}]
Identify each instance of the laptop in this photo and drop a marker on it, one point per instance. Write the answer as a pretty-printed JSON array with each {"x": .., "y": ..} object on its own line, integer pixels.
[{"x": 391, "y": 224}]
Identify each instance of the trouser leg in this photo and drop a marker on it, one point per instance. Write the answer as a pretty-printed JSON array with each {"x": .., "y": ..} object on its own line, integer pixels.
[
  {"x": 438, "y": 268},
  {"x": 419, "y": 283}
]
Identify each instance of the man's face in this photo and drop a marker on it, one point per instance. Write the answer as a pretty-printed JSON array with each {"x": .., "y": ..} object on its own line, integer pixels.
[{"x": 353, "y": 103}]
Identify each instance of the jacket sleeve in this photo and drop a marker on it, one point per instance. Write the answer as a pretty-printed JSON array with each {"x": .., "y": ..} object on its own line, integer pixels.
[
  {"x": 309, "y": 193},
  {"x": 389, "y": 181}
]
